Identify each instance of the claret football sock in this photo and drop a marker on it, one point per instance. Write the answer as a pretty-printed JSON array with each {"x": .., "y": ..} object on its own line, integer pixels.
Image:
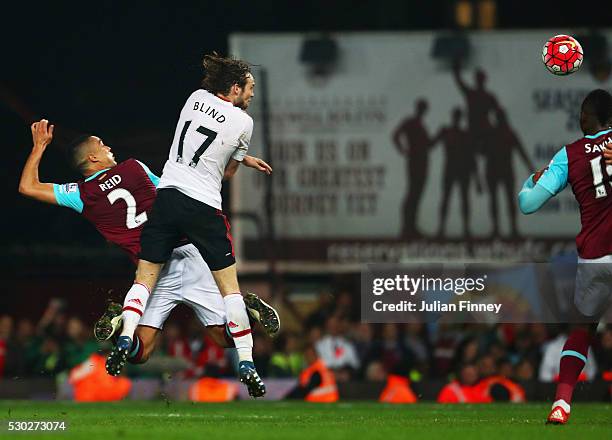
[
  {"x": 135, "y": 354},
  {"x": 133, "y": 308},
  {"x": 573, "y": 360},
  {"x": 238, "y": 326}
]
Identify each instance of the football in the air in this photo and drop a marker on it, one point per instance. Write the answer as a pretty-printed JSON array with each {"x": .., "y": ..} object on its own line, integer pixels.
[{"x": 562, "y": 55}]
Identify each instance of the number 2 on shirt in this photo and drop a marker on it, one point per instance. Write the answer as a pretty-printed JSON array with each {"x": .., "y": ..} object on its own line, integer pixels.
[{"x": 132, "y": 220}]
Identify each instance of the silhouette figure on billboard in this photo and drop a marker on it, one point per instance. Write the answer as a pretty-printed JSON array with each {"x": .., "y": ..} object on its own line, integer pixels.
[
  {"x": 460, "y": 168},
  {"x": 493, "y": 140},
  {"x": 481, "y": 106},
  {"x": 412, "y": 141},
  {"x": 500, "y": 170}
]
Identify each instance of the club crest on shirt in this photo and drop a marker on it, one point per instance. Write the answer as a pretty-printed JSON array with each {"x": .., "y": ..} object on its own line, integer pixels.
[{"x": 68, "y": 188}]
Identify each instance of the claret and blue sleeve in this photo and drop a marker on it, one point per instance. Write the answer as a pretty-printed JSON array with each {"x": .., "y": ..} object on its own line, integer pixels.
[
  {"x": 68, "y": 195},
  {"x": 153, "y": 177},
  {"x": 533, "y": 196}
]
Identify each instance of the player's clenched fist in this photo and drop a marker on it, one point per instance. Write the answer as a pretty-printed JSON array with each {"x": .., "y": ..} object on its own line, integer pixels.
[{"x": 42, "y": 134}]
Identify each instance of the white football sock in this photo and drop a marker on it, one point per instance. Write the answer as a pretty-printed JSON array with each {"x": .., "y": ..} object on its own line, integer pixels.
[
  {"x": 238, "y": 326},
  {"x": 563, "y": 404},
  {"x": 133, "y": 308}
]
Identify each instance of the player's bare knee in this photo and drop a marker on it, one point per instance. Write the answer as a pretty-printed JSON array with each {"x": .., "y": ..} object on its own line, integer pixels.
[
  {"x": 147, "y": 336},
  {"x": 220, "y": 336}
]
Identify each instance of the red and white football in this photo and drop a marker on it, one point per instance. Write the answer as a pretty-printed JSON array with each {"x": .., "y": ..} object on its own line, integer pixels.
[{"x": 562, "y": 55}]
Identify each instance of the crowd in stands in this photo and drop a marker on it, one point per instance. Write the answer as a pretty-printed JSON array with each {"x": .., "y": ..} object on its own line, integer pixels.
[{"x": 465, "y": 353}]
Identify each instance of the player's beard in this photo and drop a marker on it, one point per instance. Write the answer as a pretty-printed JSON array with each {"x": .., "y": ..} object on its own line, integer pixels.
[{"x": 242, "y": 104}]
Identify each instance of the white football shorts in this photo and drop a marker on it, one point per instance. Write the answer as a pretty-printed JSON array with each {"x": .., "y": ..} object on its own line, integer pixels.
[
  {"x": 593, "y": 293},
  {"x": 185, "y": 279}
]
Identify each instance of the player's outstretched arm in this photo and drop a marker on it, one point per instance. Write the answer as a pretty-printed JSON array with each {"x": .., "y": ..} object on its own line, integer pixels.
[
  {"x": 231, "y": 169},
  {"x": 544, "y": 184},
  {"x": 30, "y": 185},
  {"x": 248, "y": 161},
  {"x": 532, "y": 197},
  {"x": 257, "y": 163}
]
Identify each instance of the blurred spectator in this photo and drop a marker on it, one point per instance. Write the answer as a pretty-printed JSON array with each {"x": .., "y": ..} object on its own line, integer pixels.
[
  {"x": 502, "y": 389},
  {"x": 524, "y": 346},
  {"x": 336, "y": 351},
  {"x": 362, "y": 334},
  {"x": 262, "y": 353},
  {"x": 19, "y": 349},
  {"x": 48, "y": 360},
  {"x": 487, "y": 366},
  {"x": 524, "y": 370},
  {"x": 416, "y": 341},
  {"x": 375, "y": 372},
  {"x": 444, "y": 348},
  {"x": 467, "y": 352},
  {"x": 6, "y": 327},
  {"x": 325, "y": 309},
  {"x": 397, "y": 390},
  {"x": 497, "y": 350},
  {"x": 539, "y": 334},
  {"x": 287, "y": 361},
  {"x": 25, "y": 331},
  {"x": 174, "y": 344},
  {"x": 78, "y": 346},
  {"x": 344, "y": 306},
  {"x": 390, "y": 351},
  {"x": 314, "y": 335},
  {"x": 603, "y": 353},
  {"x": 53, "y": 321},
  {"x": 210, "y": 359},
  {"x": 466, "y": 389},
  {"x": 505, "y": 368},
  {"x": 317, "y": 382}
]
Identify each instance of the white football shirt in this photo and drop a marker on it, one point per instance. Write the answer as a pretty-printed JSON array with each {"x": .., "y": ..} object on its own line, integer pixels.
[{"x": 209, "y": 133}]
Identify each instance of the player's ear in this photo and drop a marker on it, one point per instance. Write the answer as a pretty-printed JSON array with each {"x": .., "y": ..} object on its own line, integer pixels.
[{"x": 93, "y": 157}]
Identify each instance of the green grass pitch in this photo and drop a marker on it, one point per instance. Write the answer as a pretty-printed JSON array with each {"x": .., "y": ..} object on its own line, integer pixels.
[{"x": 287, "y": 420}]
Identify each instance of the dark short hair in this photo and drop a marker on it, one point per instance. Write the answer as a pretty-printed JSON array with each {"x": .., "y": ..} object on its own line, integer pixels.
[
  {"x": 599, "y": 104},
  {"x": 221, "y": 73},
  {"x": 75, "y": 152}
]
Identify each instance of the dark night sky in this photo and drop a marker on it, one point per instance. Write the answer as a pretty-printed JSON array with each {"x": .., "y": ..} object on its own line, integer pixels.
[{"x": 124, "y": 72}]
